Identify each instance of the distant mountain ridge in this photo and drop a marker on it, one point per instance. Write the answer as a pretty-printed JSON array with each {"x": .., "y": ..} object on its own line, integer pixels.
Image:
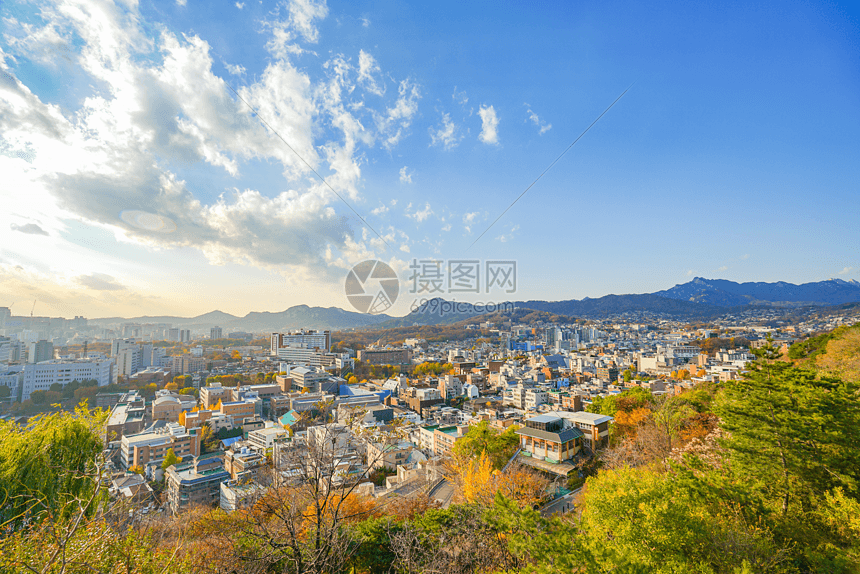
[
  {"x": 698, "y": 298},
  {"x": 723, "y": 293},
  {"x": 296, "y": 317}
]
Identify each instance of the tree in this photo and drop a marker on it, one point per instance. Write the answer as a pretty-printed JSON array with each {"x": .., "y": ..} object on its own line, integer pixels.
[
  {"x": 39, "y": 397},
  {"x": 189, "y": 391},
  {"x": 482, "y": 438},
  {"x": 208, "y": 440},
  {"x": 48, "y": 464},
  {"x": 352, "y": 380},
  {"x": 170, "y": 459},
  {"x": 303, "y": 522},
  {"x": 793, "y": 434},
  {"x": 5, "y": 392}
]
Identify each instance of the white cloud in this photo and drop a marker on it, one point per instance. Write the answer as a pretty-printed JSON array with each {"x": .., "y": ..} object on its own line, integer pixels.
[
  {"x": 460, "y": 97},
  {"x": 489, "y": 125},
  {"x": 420, "y": 215},
  {"x": 303, "y": 15},
  {"x": 393, "y": 124},
  {"x": 543, "y": 127},
  {"x": 446, "y": 227},
  {"x": 240, "y": 5},
  {"x": 446, "y": 135},
  {"x": 468, "y": 220},
  {"x": 181, "y": 2},
  {"x": 380, "y": 210},
  {"x": 405, "y": 176},
  {"x": 365, "y": 21},
  {"x": 115, "y": 151},
  {"x": 845, "y": 271},
  {"x": 505, "y": 238},
  {"x": 690, "y": 272},
  {"x": 236, "y": 70},
  {"x": 367, "y": 69},
  {"x": 723, "y": 268}
]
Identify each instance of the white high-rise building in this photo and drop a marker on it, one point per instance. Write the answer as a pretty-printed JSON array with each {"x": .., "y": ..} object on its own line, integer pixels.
[
  {"x": 318, "y": 340},
  {"x": 41, "y": 376},
  {"x": 40, "y": 351},
  {"x": 129, "y": 361}
]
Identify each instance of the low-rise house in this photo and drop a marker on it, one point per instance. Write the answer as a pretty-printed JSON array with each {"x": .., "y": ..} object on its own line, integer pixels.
[{"x": 546, "y": 437}]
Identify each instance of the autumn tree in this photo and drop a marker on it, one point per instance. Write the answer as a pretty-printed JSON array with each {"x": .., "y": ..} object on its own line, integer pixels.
[{"x": 170, "y": 459}]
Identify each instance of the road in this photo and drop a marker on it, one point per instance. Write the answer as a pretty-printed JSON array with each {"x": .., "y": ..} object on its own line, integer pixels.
[
  {"x": 560, "y": 505},
  {"x": 443, "y": 493}
]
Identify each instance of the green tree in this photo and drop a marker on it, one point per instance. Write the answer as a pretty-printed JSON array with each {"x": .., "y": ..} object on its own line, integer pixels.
[
  {"x": 48, "y": 464},
  {"x": 170, "y": 459},
  {"x": 793, "y": 434},
  {"x": 499, "y": 446},
  {"x": 5, "y": 392}
]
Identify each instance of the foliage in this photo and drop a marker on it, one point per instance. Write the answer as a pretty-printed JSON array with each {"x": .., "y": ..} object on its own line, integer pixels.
[
  {"x": 378, "y": 476},
  {"x": 47, "y": 464},
  {"x": 170, "y": 459},
  {"x": 714, "y": 344},
  {"x": 842, "y": 357},
  {"x": 482, "y": 438},
  {"x": 813, "y": 346},
  {"x": 432, "y": 369},
  {"x": 793, "y": 434}
]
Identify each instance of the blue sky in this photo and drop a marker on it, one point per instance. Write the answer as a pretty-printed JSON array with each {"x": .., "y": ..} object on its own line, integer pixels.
[{"x": 734, "y": 155}]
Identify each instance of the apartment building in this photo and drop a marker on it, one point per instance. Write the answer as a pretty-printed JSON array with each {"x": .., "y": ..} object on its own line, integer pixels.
[
  {"x": 151, "y": 446},
  {"x": 167, "y": 408},
  {"x": 41, "y": 376},
  {"x": 388, "y": 455},
  {"x": 398, "y": 356},
  {"x": 127, "y": 416},
  {"x": 195, "y": 483},
  {"x": 535, "y": 397},
  {"x": 444, "y": 438},
  {"x": 419, "y": 399},
  {"x": 318, "y": 340},
  {"x": 243, "y": 464},
  {"x": 263, "y": 440},
  {"x": 212, "y": 394}
]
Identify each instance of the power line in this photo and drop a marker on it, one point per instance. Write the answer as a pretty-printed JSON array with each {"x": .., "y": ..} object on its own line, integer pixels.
[
  {"x": 550, "y": 166},
  {"x": 307, "y": 164}
]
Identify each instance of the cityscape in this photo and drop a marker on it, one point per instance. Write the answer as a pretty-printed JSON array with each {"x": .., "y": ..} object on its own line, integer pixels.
[{"x": 326, "y": 287}]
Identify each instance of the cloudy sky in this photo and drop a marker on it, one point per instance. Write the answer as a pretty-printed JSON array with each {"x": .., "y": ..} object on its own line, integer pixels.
[{"x": 161, "y": 157}]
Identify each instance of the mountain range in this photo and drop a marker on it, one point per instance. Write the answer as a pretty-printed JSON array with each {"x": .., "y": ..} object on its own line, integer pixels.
[{"x": 698, "y": 298}]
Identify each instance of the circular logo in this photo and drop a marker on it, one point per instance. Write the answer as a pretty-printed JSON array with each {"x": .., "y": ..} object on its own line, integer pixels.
[{"x": 372, "y": 286}]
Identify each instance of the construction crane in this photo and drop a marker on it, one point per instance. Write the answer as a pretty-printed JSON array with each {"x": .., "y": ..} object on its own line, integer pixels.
[{"x": 33, "y": 309}]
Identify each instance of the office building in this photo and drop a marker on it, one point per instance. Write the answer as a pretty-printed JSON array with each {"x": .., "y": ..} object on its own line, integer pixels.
[
  {"x": 40, "y": 351},
  {"x": 315, "y": 340},
  {"x": 216, "y": 333},
  {"x": 41, "y": 376}
]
